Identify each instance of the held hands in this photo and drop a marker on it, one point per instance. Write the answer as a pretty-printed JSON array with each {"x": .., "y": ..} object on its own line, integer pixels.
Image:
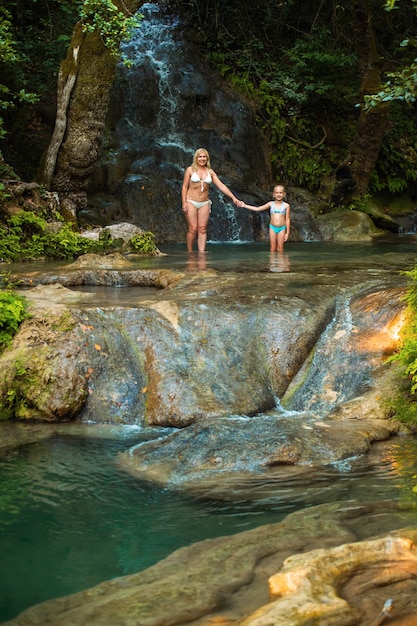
[{"x": 239, "y": 203}]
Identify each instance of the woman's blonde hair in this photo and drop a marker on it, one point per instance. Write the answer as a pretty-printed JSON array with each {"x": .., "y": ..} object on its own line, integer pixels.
[{"x": 195, "y": 157}]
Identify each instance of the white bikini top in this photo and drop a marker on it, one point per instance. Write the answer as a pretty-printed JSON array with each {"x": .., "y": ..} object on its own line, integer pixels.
[{"x": 196, "y": 179}]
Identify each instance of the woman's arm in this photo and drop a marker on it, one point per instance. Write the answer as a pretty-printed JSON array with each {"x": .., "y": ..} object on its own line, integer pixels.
[
  {"x": 216, "y": 180},
  {"x": 185, "y": 186},
  {"x": 256, "y": 208}
]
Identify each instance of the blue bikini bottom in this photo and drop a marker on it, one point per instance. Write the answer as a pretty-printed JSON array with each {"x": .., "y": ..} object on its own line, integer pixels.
[{"x": 277, "y": 229}]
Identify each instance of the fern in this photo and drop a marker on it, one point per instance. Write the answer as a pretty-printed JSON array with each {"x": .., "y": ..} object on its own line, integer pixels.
[{"x": 12, "y": 312}]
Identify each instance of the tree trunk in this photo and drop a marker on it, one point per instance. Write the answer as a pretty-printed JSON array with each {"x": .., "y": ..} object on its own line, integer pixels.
[
  {"x": 66, "y": 80},
  {"x": 371, "y": 124},
  {"x": 84, "y": 85}
]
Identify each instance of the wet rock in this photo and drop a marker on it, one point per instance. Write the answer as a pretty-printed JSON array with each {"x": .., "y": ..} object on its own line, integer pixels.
[
  {"x": 315, "y": 585},
  {"x": 199, "y": 458},
  {"x": 152, "y": 139},
  {"x": 199, "y": 348},
  {"x": 225, "y": 580},
  {"x": 42, "y": 372},
  {"x": 98, "y": 261},
  {"x": 346, "y": 225},
  {"x": 122, "y": 230}
]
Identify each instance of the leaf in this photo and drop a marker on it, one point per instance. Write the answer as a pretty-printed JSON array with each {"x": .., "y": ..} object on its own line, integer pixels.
[
  {"x": 85, "y": 327},
  {"x": 97, "y": 346}
]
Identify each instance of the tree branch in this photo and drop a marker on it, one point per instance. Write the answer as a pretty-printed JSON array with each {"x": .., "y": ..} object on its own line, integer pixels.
[{"x": 306, "y": 145}]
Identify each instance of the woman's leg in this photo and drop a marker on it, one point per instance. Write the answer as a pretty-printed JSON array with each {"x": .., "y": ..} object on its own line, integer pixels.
[
  {"x": 203, "y": 215},
  {"x": 192, "y": 221}
]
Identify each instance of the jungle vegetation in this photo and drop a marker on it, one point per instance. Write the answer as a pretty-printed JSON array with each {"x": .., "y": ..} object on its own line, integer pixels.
[{"x": 333, "y": 83}]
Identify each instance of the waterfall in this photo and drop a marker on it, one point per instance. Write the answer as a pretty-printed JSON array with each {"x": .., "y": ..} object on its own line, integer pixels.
[
  {"x": 154, "y": 44},
  {"x": 166, "y": 103}
]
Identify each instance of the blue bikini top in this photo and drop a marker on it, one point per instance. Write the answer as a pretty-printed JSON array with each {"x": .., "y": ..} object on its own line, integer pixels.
[
  {"x": 278, "y": 209},
  {"x": 196, "y": 179}
]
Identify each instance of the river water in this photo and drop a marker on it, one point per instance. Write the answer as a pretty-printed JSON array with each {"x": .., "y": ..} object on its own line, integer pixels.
[{"x": 70, "y": 518}]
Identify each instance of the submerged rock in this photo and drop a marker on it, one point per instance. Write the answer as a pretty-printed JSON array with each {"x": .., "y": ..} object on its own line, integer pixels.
[
  {"x": 214, "y": 456},
  {"x": 312, "y": 559},
  {"x": 205, "y": 346}
]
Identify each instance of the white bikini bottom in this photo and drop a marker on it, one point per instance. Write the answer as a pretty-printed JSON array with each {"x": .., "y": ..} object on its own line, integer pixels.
[{"x": 198, "y": 205}]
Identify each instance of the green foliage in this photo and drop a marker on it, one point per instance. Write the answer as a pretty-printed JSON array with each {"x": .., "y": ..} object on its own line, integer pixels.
[
  {"x": 406, "y": 401},
  {"x": 9, "y": 56},
  {"x": 13, "y": 310},
  {"x": 396, "y": 170},
  {"x": 402, "y": 84},
  {"x": 290, "y": 88},
  {"x": 104, "y": 17},
  {"x": 297, "y": 62},
  {"x": 360, "y": 204},
  {"x": 4, "y": 194},
  {"x": 27, "y": 236},
  {"x": 144, "y": 243},
  {"x": 31, "y": 49},
  {"x": 404, "y": 405},
  {"x": 7, "y": 44},
  {"x": 317, "y": 70}
]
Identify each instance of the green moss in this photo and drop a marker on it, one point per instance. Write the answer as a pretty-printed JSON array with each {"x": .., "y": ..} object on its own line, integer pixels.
[
  {"x": 405, "y": 404},
  {"x": 15, "y": 378},
  {"x": 64, "y": 323}
]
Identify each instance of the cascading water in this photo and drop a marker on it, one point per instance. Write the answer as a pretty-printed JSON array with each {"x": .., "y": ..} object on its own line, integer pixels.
[{"x": 167, "y": 103}]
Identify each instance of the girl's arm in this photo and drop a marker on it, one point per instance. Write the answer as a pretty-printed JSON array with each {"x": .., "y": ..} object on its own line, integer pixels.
[
  {"x": 216, "y": 180},
  {"x": 287, "y": 222},
  {"x": 256, "y": 208}
]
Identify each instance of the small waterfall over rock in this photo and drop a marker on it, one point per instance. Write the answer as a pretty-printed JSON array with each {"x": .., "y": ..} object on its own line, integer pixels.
[{"x": 166, "y": 103}]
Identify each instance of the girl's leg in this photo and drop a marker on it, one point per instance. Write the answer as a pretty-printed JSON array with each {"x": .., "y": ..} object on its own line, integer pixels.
[
  {"x": 280, "y": 240},
  {"x": 273, "y": 241},
  {"x": 203, "y": 215}
]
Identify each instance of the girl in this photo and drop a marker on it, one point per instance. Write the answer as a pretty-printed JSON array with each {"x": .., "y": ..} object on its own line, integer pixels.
[{"x": 280, "y": 220}]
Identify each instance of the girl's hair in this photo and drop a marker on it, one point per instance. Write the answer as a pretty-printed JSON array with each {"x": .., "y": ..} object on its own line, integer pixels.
[
  {"x": 282, "y": 187},
  {"x": 195, "y": 157}
]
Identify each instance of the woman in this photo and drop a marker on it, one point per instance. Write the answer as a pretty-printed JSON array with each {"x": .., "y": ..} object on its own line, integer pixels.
[{"x": 195, "y": 198}]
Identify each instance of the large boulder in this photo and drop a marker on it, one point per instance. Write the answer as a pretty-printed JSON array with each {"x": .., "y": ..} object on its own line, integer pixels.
[{"x": 346, "y": 225}]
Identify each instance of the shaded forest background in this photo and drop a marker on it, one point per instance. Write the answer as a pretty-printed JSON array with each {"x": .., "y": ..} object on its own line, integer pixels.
[{"x": 308, "y": 69}]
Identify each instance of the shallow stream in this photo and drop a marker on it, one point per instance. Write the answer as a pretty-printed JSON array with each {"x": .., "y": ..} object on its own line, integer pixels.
[{"x": 70, "y": 518}]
